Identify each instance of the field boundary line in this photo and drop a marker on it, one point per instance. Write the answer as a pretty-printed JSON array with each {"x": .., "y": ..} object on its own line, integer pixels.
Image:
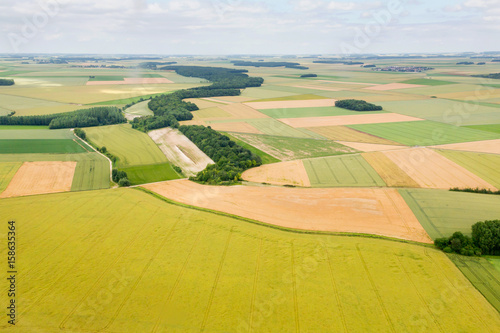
[
  {"x": 277, "y": 227},
  {"x": 216, "y": 282},
  {"x": 384, "y": 310}
]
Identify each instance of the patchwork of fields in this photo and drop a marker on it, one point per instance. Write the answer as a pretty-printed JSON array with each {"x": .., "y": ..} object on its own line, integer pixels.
[{"x": 333, "y": 232}]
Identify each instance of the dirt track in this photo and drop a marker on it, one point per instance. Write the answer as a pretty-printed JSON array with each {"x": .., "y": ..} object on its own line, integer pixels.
[
  {"x": 371, "y": 211},
  {"x": 41, "y": 177}
]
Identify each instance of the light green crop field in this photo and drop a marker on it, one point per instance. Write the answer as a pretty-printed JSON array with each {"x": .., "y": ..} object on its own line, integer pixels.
[
  {"x": 125, "y": 101},
  {"x": 36, "y": 134},
  {"x": 442, "y": 212},
  {"x": 485, "y": 166},
  {"x": 495, "y": 128},
  {"x": 7, "y": 171},
  {"x": 495, "y": 261},
  {"x": 92, "y": 170},
  {"x": 22, "y": 127},
  {"x": 129, "y": 145},
  {"x": 199, "y": 271},
  {"x": 287, "y": 149},
  {"x": 445, "y": 111},
  {"x": 292, "y": 98},
  {"x": 274, "y": 127},
  {"x": 27, "y": 106},
  {"x": 261, "y": 93},
  {"x": 341, "y": 171},
  {"x": 482, "y": 274},
  {"x": 140, "y": 109},
  {"x": 428, "y": 82},
  {"x": 144, "y": 174},
  {"x": 32, "y": 146},
  {"x": 424, "y": 133},
  {"x": 266, "y": 158},
  {"x": 312, "y": 112}
]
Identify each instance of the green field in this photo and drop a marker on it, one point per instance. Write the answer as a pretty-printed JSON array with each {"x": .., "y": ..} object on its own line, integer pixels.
[
  {"x": 274, "y": 127},
  {"x": 7, "y": 171},
  {"x": 287, "y": 149},
  {"x": 292, "y": 98},
  {"x": 106, "y": 78},
  {"x": 50, "y": 146},
  {"x": 442, "y": 212},
  {"x": 199, "y": 271},
  {"x": 22, "y": 127},
  {"x": 266, "y": 158},
  {"x": 36, "y": 134},
  {"x": 445, "y": 111},
  {"x": 495, "y": 128},
  {"x": 485, "y": 166},
  {"x": 125, "y": 101},
  {"x": 144, "y": 174},
  {"x": 340, "y": 171},
  {"x": 92, "y": 170},
  {"x": 482, "y": 274},
  {"x": 130, "y": 146},
  {"x": 312, "y": 112},
  {"x": 428, "y": 82},
  {"x": 424, "y": 133},
  {"x": 140, "y": 109},
  {"x": 495, "y": 261}
]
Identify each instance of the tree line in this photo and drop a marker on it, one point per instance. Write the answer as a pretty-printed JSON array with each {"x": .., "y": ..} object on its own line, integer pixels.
[
  {"x": 309, "y": 75},
  {"x": 357, "y": 105},
  {"x": 294, "y": 65},
  {"x": 344, "y": 62},
  {"x": 81, "y": 118},
  {"x": 489, "y": 76},
  {"x": 230, "y": 158},
  {"x": 6, "y": 82},
  {"x": 485, "y": 240},
  {"x": 475, "y": 190}
]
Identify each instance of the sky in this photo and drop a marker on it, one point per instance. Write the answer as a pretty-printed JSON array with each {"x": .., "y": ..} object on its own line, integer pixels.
[{"x": 230, "y": 27}]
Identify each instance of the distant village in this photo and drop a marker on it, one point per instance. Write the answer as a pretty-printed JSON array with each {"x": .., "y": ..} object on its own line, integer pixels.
[{"x": 407, "y": 69}]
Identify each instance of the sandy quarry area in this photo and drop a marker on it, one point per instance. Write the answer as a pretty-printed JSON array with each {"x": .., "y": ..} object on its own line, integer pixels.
[
  {"x": 347, "y": 120},
  {"x": 432, "y": 170},
  {"x": 180, "y": 151},
  {"x": 371, "y": 211},
  {"x": 41, "y": 177},
  {"x": 394, "y": 86},
  {"x": 488, "y": 146},
  {"x": 292, "y": 104},
  {"x": 284, "y": 173},
  {"x": 127, "y": 80}
]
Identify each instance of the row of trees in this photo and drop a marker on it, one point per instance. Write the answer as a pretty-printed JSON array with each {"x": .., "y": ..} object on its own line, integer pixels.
[
  {"x": 485, "y": 240},
  {"x": 230, "y": 158},
  {"x": 309, "y": 75},
  {"x": 294, "y": 65},
  {"x": 475, "y": 190},
  {"x": 225, "y": 82},
  {"x": 357, "y": 105},
  {"x": 344, "y": 62},
  {"x": 489, "y": 76},
  {"x": 6, "y": 82},
  {"x": 81, "y": 118}
]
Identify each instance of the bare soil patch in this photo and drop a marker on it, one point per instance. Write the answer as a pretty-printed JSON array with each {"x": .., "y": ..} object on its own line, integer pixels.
[
  {"x": 371, "y": 211},
  {"x": 41, "y": 177},
  {"x": 180, "y": 151}
]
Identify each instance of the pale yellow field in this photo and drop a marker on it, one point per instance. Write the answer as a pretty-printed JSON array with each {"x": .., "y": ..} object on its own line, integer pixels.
[
  {"x": 342, "y": 133},
  {"x": 394, "y": 86},
  {"x": 367, "y": 147},
  {"x": 347, "y": 120},
  {"x": 292, "y": 104},
  {"x": 372, "y": 211},
  {"x": 392, "y": 174},
  {"x": 284, "y": 173},
  {"x": 242, "y": 111},
  {"x": 432, "y": 170},
  {"x": 130, "y": 81},
  {"x": 41, "y": 177},
  {"x": 488, "y": 146},
  {"x": 237, "y": 127}
]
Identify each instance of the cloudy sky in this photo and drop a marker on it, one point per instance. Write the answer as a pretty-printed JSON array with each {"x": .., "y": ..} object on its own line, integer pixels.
[{"x": 216, "y": 27}]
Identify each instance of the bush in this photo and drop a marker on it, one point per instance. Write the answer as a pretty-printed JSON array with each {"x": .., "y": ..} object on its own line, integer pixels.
[
  {"x": 309, "y": 75},
  {"x": 357, "y": 105},
  {"x": 6, "y": 82},
  {"x": 80, "y": 133},
  {"x": 124, "y": 182}
]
